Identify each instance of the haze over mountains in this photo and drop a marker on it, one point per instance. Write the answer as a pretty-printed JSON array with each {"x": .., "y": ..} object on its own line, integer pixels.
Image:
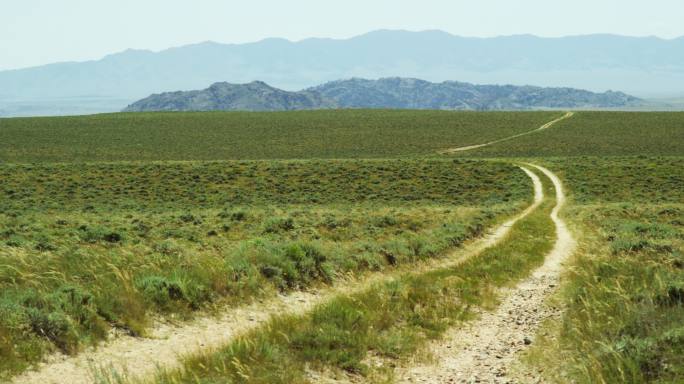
[
  {"x": 644, "y": 67},
  {"x": 393, "y": 93}
]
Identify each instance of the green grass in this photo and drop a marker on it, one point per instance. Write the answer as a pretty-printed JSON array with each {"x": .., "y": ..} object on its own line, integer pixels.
[
  {"x": 98, "y": 229},
  {"x": 598, "y": 134},
  {"x": 390, "y": 320},
  {"x": 636, "y": 179},
  {"x": 87, "y": 247},
  {"x": 147, "y": 187},
  {"x": 624, "y": 315},
  {"x": 333, "y": 134},
  {"x": 244, "y": 135},
  {"x": 625, "y": 294}
]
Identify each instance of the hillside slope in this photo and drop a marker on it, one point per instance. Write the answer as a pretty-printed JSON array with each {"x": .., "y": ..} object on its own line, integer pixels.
[{"x": 255, "y": 96}]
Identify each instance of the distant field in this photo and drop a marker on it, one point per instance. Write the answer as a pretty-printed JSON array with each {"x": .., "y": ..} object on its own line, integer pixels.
[
  {"x": 598, "y": 134},
  {"x": 333, "y": 134},
  {"x": 637, "y": 179},
  {"x": 243, "y": 135}
]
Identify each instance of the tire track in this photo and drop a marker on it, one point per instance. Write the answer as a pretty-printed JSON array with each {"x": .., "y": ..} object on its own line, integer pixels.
[
  {"x": 543, "y": 127},
  {"x": 485, "y": 350}
]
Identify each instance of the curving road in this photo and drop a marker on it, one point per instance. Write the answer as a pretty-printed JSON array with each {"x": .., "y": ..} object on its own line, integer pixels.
[{"x": 485, "y": 350}]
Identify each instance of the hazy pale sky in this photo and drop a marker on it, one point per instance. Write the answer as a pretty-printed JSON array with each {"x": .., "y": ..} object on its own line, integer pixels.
[{"x": 35, "y": 32}]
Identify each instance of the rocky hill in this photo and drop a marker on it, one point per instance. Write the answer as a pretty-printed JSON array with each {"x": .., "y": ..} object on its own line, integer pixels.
[
  {"x": 255, "y": 96},
  {"x": 391, "y": 93}
]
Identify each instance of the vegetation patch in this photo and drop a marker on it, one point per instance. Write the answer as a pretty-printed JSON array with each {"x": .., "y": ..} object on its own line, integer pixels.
[
  {"x": 390, "y": 320},
  {"x": 331, "y": 134},
  {"x": 84, "y": 248},
  {"x": 100, "y": 188},
  {"x": 623, "y": 293},
  {"x": 635, "y": 179},
  {"x": 597, "y": 134}
]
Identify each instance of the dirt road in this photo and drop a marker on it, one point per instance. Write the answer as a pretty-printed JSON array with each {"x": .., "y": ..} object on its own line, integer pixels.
[
  {"x": 483, "y": 351},
  {"x": 543, "y": 127}
]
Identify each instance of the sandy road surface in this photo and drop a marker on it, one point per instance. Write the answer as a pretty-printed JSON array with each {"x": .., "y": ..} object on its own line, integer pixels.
[{"x": 483, "y": 351}]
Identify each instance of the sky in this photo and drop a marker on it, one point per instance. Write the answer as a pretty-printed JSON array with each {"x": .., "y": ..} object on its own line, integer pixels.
[{"x": 37, "y": 32}]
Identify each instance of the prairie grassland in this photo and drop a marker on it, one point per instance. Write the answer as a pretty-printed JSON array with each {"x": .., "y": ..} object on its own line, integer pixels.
[
  {"x": 389, "y": 321},
  {"x": 598, "y": 134},
  {"x": 250, "y": 135},
  {"x": 113, "y": 234},
  {"x": 624, "y": 295},
  {"x": 636, "y": 179},
  {"x": 149, "y": 187},
  {"x": 88, "y": 247}
]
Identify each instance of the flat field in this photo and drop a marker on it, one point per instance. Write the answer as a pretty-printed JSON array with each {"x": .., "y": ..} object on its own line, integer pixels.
[
  {"x": 109, "y": 222},
  {"x": 625, "y": 307},
  {"x": 88, "y": 247},
  {"x": 598, "y": 134},
  {"x": 244, "y": 135}
]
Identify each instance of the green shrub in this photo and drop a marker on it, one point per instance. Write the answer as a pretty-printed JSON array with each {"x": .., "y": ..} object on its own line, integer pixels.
[
  {"x": 419, "y": 247},
  {"x": 310, "y": 262},
  {"x": 56, "y": 327},
  {"x": 190, "y": 218},
  {"x": 279, "y": 224},
  {"x": 629, "y": 244},
  {"x": 174, "y": 292},
  {"x": 160, "y": 290},
  {"x": 294, "y": 265},
  {"x": 14, "y": 316},
  {"x": 65, "y": 317},
  {"x": 44, "y": 244},
  {"x": 238, "y": 216},
  {"x": 673, "y": 296},
  {"x": 331, "y": 222},
  {"x": 94, "y": 234},
  {"x": 385, "y": 221},
  {"x": 168, "y": 247},
  {"x": 15, "y": 241},
  {"x": 366, "y": 261}
]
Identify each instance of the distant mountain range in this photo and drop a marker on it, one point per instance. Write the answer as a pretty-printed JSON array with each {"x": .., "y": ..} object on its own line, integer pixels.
[
  {"x": 393, "y": 93},
  {"x": 642, "y": 66}
]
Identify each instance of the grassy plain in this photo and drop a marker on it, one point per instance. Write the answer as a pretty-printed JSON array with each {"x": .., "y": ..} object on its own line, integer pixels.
[
  {"x": 388, "y": 321},
  {"x": 333, "y": 134},
  {"x": 98, "y": 230},
  {"x": 633, "y": 179},
  {"x": 87, "y": 247},
  {"x": 245, "y": 135},
  {"x": 598, "y": 134},
  {"x": 624, "y": 311},
  {"x": 624, "y": 292}
]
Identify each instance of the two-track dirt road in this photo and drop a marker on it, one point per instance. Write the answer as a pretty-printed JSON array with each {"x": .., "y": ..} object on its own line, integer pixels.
[{"x": 483, "y": 351}]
